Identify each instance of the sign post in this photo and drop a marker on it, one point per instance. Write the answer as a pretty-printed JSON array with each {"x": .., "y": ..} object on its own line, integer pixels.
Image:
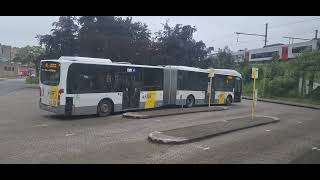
[
  {"x": 254, "y": 76},
  {"x": 210, "y": 84}
]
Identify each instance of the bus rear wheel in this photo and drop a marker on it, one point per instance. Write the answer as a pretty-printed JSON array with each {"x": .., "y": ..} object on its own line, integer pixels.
[
  {"x": 105, "y": 108},
  {"x": 229, "y": 100},
  {"x": 189, "y": 101}
]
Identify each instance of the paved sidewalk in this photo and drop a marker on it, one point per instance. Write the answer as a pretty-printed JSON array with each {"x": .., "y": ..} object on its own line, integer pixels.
[
  {"x": 198, "y": 132},
  {"x": 171, "y": 111},
  {"x": 285, "y": 102}
]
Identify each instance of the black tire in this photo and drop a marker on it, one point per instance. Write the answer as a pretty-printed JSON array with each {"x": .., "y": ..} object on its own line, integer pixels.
[
  {"x": 105, "y": 108},
  {"x": 228, "y": 100},
  {"x": 189, "y": 101}
]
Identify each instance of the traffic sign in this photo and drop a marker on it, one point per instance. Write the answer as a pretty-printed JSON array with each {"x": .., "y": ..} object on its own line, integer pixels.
[
  {"x": 255, "y": 72},
  {"x": 254, "y": 76},
  {"x": 211, "y": 74}
]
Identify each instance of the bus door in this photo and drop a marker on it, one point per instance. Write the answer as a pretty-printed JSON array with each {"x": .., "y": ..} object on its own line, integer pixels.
[
  {"x": 131, "y": 88},
  {"x": 237, "y": 89}
]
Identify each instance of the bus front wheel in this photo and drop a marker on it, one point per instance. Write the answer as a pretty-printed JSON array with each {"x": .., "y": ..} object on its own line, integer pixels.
[
  {"x": 189, "y": 101},
  {"x": 104, "y": 108}
]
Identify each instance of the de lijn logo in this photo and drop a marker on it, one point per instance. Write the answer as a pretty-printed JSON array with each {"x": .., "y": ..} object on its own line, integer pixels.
[{"x": 131, "y": 70}]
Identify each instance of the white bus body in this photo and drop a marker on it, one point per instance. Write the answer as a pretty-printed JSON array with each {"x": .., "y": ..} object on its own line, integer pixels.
[{"x": 79, "y": 86}]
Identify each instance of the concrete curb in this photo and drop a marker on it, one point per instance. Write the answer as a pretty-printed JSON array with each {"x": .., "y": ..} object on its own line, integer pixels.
[
  {"x": 159, "y": 137},
  {"x": 137, "y": 116},
  {"x": 284, "y": 102}
]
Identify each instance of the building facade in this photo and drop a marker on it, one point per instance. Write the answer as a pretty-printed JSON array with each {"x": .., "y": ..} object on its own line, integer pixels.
[
  {"x": 8, "y": 52},
  {"x": 8, "y": 70}
]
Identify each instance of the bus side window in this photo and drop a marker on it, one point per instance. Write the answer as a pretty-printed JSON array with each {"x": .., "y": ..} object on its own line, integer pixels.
[
  {"x": 229, "y": 83},
  {"x": 218, "y": 83},
  {"x": 118, "y": 81},
  {"x": 108, "y": 85},
  {"x": 152, "y": 79},
  {"x": 84, "y": 83},
  {"x": 238, "y": 85},
  {"x": 180, "y": 80}
]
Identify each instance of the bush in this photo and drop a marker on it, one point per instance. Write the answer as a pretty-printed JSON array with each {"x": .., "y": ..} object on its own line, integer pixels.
[
  {"x": 32, "y": 80},
  {"x": 315, "y": 94},
  {"x": 281, "y": 86}
]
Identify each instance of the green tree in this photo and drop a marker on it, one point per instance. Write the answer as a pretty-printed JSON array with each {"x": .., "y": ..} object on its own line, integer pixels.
[
  {"x": 115, "y": 38},
  {"x": 63, "y": 38},
  {"x": 121, "y": 39},
  {"x": 176, "y": 46},
  {"x": 30, "y": 55},
  {"x": 222, "y": 60},
  {"x": 306, "y": 66}
]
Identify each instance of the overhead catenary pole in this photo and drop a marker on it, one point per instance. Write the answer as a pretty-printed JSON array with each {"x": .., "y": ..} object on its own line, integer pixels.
[
  {"x": 262, "y": 35},
  {"x": 289, "y": 37},
  {"x": 266, "y": 35}
]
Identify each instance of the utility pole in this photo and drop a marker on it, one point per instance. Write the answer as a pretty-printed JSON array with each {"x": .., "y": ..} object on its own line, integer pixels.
[
  {"x": 316, "y": 35},
  {"x": 250, "y": 34},
  {"x": 266, "y": 35}
]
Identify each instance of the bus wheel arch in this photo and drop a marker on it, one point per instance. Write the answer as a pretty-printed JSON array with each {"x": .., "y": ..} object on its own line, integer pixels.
[
  {"x": 105, "y": 107},
  {"x": 229, "y": 100},
  {"x": 190, "y": 101}
]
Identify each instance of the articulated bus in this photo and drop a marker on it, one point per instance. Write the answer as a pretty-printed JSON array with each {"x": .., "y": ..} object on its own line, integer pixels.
[
  {"x": 80, "y": 86},
  {"x": 189, "y": 86}
]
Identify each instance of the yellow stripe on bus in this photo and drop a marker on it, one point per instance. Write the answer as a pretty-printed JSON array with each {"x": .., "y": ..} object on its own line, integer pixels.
[
  {"x": 53, "y": 98},
  {"x": 221, "y": 98},
  {"x": 151, "y": 99}
]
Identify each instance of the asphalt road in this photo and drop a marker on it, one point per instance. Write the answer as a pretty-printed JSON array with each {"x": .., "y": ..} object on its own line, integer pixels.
[
  {"x": 10, "y": 85},
  {"x": 29, "y": 135}
]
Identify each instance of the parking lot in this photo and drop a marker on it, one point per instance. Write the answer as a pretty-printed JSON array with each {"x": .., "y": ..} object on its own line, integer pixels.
[{"x": 30, "y": 135}]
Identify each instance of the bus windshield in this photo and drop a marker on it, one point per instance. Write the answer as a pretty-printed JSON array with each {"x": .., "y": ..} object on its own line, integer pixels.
[{"x": 50, "y": 73}]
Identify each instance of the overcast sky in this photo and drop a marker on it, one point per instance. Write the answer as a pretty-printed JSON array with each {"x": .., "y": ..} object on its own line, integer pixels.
[{"x": 217, "y": 31}]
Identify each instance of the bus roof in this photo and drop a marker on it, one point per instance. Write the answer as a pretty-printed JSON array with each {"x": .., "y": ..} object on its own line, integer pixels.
[
  {"x": 230, "y": 72},
  {"x": 187, "y": 68},
  {"x": 87, "y": 60},
  {"x": 100, "y": 61}
]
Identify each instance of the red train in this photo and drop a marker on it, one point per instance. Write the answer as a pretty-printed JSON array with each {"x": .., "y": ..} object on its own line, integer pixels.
[{"x": 285, "y": 51}]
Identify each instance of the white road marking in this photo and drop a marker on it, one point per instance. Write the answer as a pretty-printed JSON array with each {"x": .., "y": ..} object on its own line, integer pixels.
[
  {"x": 267, "y": 130},
  {"x": 158, "y": 120},
  {"x": 204, "y": 148},
  {"x": 315, "y": 148},
  {"x": 299, "y": 122},
  {"x": 41, "y": 125},
  {"x": 70, "y": 134}
]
